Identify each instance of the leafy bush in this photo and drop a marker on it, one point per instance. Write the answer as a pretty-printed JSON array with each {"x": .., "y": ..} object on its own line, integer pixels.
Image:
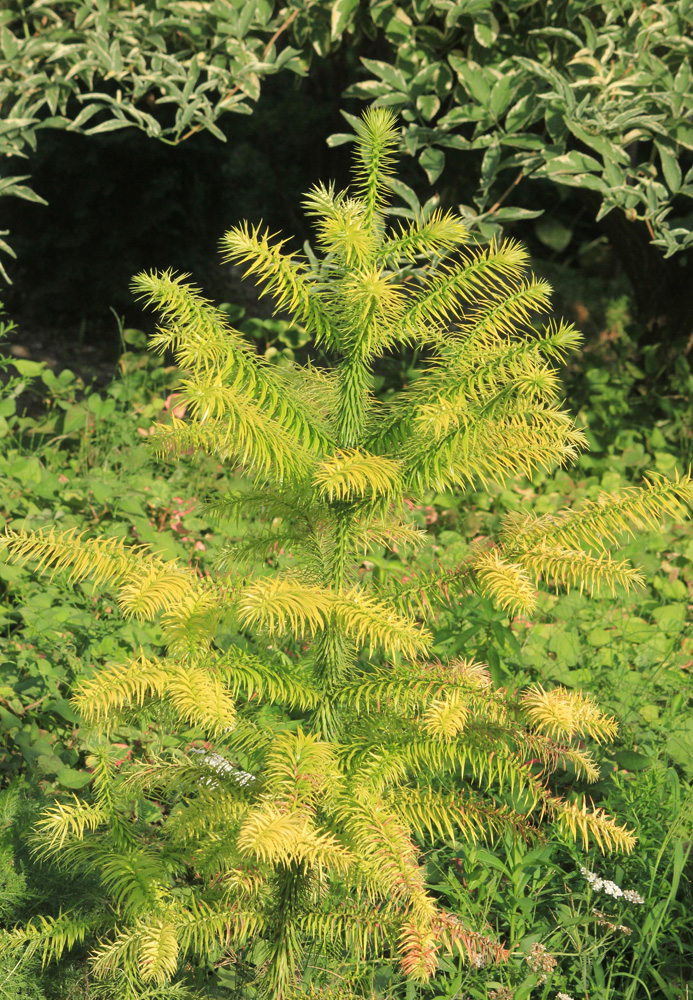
[
  {"x": 608, "y": 84},
  {"x": 595, "y": 98},
  {"x": 547, "y": 98},
  {"x": 164, "y": 68},
  {"x": 321, "y": 759}
]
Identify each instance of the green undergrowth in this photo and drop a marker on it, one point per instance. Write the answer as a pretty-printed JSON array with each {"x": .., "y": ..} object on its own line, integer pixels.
[
  {"x": 74, "y": 458},
  {"x": 634, "y": 652},
  {"x": 71, "y": 457}
]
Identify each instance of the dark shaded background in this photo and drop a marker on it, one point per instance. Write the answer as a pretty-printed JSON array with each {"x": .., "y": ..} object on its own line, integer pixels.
[{"x": 121, "y": 202}]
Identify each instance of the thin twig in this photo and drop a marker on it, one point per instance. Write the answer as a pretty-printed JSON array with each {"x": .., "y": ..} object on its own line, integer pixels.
[
  {"x": 234, "y": 90},
  {"x": 494, "y": 208},
  {"x": 25, "y": 708}
]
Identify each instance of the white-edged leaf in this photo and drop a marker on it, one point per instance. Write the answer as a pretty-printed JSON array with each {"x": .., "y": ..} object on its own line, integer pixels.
[{"x": 342, "y": 11}]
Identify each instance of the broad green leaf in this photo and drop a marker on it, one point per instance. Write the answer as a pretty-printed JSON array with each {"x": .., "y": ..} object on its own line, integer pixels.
[
  {"x": 339, "y": 138},
  {"x": 387, "y": 73},
  {"x": 397, "y": 29},
  {"x": 670, "y": 167},
  {"x": 110, "y": 125},
  {"x": 572, "y": 163},
  {"x": 514, "y": 214},
  {"x": 432, "y": 160},
  {"x": 489, "y": 164},
  {"x": 9, "y": 723},
  {"x": 670, "y": 617},
  {"x": 366, "y": 88},
  {"x": 590, "y": 181},
  {"x": 8, "y": 43},
  {"x": 555, "y": 121},
  {"x": 455, "y": 142},
  {"x": 63, "y": 708},
  {"x": 247, "y": 16},
  {"x": 602, "y": 636},
  {"x": 680, "y": 747},
  {"x": 636, "y": 630},
  {"x": 8, "y": 182},
  {"x": 486, "y": 28},
  {"x": 85, "y": 114},
  {"x": 12, "y": 124},
  {"x": 404, "y": 192},
  {"x": 30, "y": 369},
  {"x": 682, "y": 82},
  {"x": 590, "y": 34},
  {"x": 423, "y": 80},
  {"x": 527, "y": 110},
  {"x": 457, "y": 116},
  {"x": 665, "y": 462},
  {"x": 321, "y": 39},
  {"x": 566, "y": 646},
  {"x": 553, "y": 233},
  {"x": 49, "y": 764},
  {"x": 75, "y": 419},
  {"x": 68, "y": 777},
  {"x": 607, "y": 149},
  {"x": 472, "y": 77},
  {"x": 630, "y": 760},
  {"x": 649, "y": 712},
  {"x": 616, "y": 178},
  {"x": 501, "y": 95},
  {"x": 24, "y": 192},
  {"x": 427, "y": 105},
  {"x": 342, "y": 11}
]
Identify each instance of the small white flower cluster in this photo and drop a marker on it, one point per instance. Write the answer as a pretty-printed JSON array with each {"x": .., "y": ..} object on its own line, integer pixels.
[
  {"x": 610, "y": 888},
  {"x": 563, "y": 996},
  {"x": 631, "y": 896}
]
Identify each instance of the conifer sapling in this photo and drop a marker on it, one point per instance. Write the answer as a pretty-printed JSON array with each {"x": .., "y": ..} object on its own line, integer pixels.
[{"x": 305, "y": 824}]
